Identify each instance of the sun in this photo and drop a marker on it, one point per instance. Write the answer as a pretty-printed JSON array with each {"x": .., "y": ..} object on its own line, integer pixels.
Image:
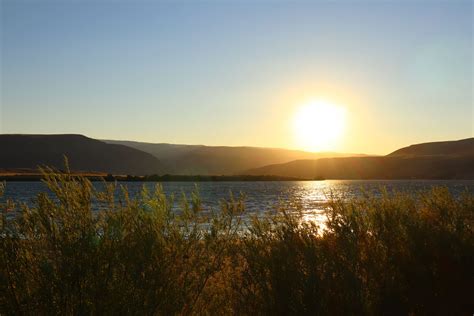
[{"x": 318, "y": 125}]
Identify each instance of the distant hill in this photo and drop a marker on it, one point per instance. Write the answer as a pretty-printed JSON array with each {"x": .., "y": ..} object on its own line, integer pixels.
[
  {"x": 440, "y": 160},
  {"x": 219, "y": 160},
  {"x": 463, "y": 147},
  {"x": 84, "y": 154},
  {"x": 437, "y": 160}
]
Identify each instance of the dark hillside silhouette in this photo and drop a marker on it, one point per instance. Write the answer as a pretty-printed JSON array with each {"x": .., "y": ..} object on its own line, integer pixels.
[
  {"x": 220, "y": 160},
  {"x": 439, "y": 160},
  {"x": 463, "y": 147},
  {"x": 85, "y": 154}
]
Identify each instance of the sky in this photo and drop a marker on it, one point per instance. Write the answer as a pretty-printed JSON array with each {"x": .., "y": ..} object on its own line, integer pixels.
[{"x": 235, "y": 72}]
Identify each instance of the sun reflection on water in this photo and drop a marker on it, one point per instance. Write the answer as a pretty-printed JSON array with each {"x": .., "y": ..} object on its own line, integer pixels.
[{"x": 310, "y": 198}]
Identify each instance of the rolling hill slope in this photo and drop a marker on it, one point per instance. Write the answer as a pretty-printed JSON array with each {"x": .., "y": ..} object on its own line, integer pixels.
[
  {"x": 463, "y": 147},
  {"x": 219, "y": 160},
  {"x": 84, "y": 154},
  {"x": 440, "y": 160},
  {"x": 436, "y": 160}
]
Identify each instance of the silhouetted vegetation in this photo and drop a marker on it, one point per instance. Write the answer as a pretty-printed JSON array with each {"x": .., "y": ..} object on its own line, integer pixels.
[{"x": 395, "y": 254}]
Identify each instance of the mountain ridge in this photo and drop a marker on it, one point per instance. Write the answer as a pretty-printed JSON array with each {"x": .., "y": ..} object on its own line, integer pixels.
[
  {"x": 219, "y": 160},
  {"x": 405, "y": 163},
  {"x": 444, "y": 148},
  {"x": 83, "y": 153},
  {"x": 434, "y": 160}
]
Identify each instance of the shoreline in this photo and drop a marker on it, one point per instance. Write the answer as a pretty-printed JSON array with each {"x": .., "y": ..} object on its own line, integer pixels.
[{"x": 156, "y": 178}]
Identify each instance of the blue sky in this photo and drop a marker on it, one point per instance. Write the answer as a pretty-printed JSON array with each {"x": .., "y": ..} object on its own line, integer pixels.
[{"x": 234, "y": 73}]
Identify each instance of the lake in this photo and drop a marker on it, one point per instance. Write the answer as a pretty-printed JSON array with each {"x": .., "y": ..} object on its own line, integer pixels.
[{"x": 263, "y": 195}]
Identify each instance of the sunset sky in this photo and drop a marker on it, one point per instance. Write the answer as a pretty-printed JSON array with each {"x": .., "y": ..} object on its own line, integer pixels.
[{"x": 237, "y": 73}]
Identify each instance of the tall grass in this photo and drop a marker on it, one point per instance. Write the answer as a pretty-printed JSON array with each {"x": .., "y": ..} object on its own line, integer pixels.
[{"x": 395, "y": 254}]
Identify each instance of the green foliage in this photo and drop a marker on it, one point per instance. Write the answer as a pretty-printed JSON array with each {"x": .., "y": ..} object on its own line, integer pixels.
[{"x": 394, "y": 254}]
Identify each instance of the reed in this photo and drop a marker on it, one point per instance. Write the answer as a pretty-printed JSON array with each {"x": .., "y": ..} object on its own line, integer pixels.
[{"x": 385, "y": 254}]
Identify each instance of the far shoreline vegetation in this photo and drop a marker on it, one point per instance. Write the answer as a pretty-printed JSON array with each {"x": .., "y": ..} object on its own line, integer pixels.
[
  {"x": 103, "y": 177},
  {"x": 12, "y": 176},
  {"x": 394, "y": 254}
]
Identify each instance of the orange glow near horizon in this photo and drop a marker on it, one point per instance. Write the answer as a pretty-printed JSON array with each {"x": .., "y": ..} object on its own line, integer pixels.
[{"x": 318, "y": 125}]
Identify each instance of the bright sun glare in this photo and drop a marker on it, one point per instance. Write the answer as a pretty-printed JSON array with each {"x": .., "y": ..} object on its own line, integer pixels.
[{"x": 318, "y": 125}]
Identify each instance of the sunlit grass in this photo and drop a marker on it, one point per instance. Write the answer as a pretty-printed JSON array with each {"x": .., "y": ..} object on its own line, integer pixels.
[{"x": 386, "y": 254}]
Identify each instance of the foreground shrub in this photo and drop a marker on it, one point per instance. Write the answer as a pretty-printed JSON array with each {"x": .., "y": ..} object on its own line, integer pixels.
[
  {"x": 391, "y": 254},
  {"x": 395, "y": 254},
  {"x": 134, "y": 256}
]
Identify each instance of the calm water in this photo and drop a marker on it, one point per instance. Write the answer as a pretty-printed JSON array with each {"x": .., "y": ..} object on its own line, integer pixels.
[{"x": 260, "y": 196}]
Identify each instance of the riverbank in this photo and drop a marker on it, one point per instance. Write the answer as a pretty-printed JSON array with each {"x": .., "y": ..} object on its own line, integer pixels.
[{"x": 37, "y": 175}]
